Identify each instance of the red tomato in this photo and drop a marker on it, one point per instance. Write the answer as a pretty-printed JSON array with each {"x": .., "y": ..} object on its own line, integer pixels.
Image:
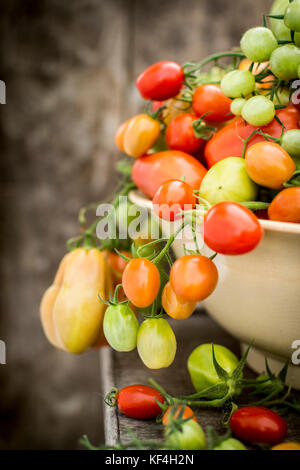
[
  {"x": 141, "y": 282},
  {"x": 285, "y": 207},
  {"x": 258, "y": 425},
  {"x": 227, "y": 142},
  {"x": 187, "y": 413},
  {"x": 151, "y": 171},
  {"x": 139, "y": 401},
  {"x": 231, "y": 229},
  {"x": 160, "y": 81},
  {"x": 180, "y": 134},
  {"x": 193, "y": 277},
  {"x": 171, "y": 197},
  {"x": 210, "y": 99}
]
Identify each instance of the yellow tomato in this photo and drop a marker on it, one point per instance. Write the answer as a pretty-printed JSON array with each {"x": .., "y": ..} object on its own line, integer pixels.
[
  {"x": 137, "y": 135},
  {"x": 287, "y": 446}
]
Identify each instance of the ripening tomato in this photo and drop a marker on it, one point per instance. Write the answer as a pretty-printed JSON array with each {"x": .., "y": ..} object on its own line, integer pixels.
[
  {"x": 141, "y": 282},
  {"x": 287, "y": 446},
  {"x": 160, "y": 81},
  {"x": 174, "y": 306},
  {"x": 193, "y": 277},
  {"x": 180, "y": 134},
  {"x": 188, "y": 436},
  {"x": 231, "y": 229},
  {"x": 139, "y": 401},
  {"x": 120, "y": 327},
  {"x": 258, "y": 425},
  {"x": 116, "y": 263},
  {"x": 187, "y": 413},
  {"x": 266, "y": 82},
  {"x": 137, "y": 135},
  {"x": 285, "y": 207},
  {"x": 211, "y": 100},
  {"x": 228, "y": 141},
  {"x": 151, "y": 171},
  {"x": 269, "y": 165},
  {"x": 172, "y": 197}
]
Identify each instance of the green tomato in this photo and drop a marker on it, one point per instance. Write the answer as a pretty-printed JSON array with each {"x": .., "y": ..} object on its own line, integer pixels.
[
  {"x": 230, "y": 444},
  {"x": 156, "y": 343},
  {"x": 291, "y": 143},
  {"x": 238, "y": 83},
  {"x": 120, "y": 327},
  {"x": 282, "y": 96},
  {"x": 292, "y": 16},
  {"x": 190, "y": 436},
  {"x": 258, "y": 44},
  {"x": 201, "y": 367},
  {"x": 284, "y": 62},
  {"x": 237, "y": 106},
  {"x": 278, "y": 27},
  {"x": 258, "y": 111},
  {"x": 228, "y": 180}
]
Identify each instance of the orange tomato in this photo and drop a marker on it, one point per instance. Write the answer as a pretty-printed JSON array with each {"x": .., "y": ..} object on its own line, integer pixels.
[
  {"x": 116, "y": 263},
  {"x": 258, "y": 68},
  {"x": 137, "y": 135},
  {"x": 268, "y": 164},
  {"x": 119, "y": 135},
  {"x": 188, "y": 413},
  {"x": 141, "y": 282},
  {"x": 287, "y": 446},
  {"x": 193, "y": 277},
  {"x": 285, "y": 207},
  {"x": 175, "y": 307}
]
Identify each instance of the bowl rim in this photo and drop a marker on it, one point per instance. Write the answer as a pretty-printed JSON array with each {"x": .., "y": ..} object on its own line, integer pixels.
[{"x": 137, "y": 197}]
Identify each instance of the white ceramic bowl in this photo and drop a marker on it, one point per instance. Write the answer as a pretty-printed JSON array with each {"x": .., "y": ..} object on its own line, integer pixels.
[{"x": 258, "y": 294}]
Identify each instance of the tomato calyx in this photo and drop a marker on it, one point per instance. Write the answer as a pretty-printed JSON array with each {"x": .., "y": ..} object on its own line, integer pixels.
[
  {"x": 110, "y": 398},
  {"x": 202, "y": 130}
]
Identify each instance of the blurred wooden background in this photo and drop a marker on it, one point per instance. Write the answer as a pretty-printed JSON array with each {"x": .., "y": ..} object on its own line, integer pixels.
[{"x": 69, "y": 69}]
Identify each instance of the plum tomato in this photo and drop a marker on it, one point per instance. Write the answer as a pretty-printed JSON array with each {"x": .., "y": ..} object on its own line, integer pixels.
[
  {"x": 156, "y": 343},
  {"x": 139, "y": 401},
  {"x": 180, "y": 134},
  {"x": 160, "y": 81},
  {"x": 228, "y": 180},
  {"x": 258, "y": 111},
  {"x": 137, "y": 135},
  {"x": 172, "y": 197},
  {"x": 258, "y": 44},
  {"x": 174, "y": 306},
  {"x": 268, "y": 164},
  {"x": 120, "y": 327},
  {"x": 285, "y": 207},
  {"x": 231, "y": 229},
  {"x": 151, "y": 171},
  {"x": 211, "y": 101},
  {"x": 193, "y": 277},
  {"x": 238, "y": 83},
  {"x": 187, "y": 413},
  {"x": 141, "y": 282},
  {"x": 258, "y": 425}
]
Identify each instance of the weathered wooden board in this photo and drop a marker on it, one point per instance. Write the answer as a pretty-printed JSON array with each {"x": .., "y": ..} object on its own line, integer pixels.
[{"x": 121, "y": 369}]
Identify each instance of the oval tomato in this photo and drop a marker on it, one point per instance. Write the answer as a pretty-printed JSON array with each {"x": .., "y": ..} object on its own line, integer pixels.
[
  {"x": 227, "y": 142},
  {"x": 174, "y": 306},
  {"x": 193, "y": 277},
  {"x": 151, "y": 171},
  {"x": 285, "y": 207},
  {"x": 188, "y": 436},
  {"x": 139, "y": 401},
  {"x": 231, "y": 229},
  {"x": 120, "y": 327},
  {"x": 117, "y": 264},
  {"x": 141, "y": 282},
  {"x": 269, "y": 165},
  {"x": 137, "y": 135},
  {"x": 211, "y": 101},
  {"x": 160, "y": 81},
  {"x": 258, "y": 425},
  {"x": 180, "y": 134},
  {"x": 172, "y": 197},
  {"x": 187, "y": 413}
]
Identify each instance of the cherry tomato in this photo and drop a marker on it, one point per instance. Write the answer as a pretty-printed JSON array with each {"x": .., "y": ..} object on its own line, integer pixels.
[
  {"x": 258, "y": 425},
  {"x": 189, "y": 436},
  {"x": 174, "y": 306},
  {"x": 141, "y": 282},
  {"x": 180, "y": 134},
  {"x": 231, "y": 229},
  {"x": 227, "y": 142},
  {"x": 291, "y": 143},
  {"x": 187, "y": 413},
  {"x": 287, "y": 446},
  {"x": 156, "y": 343},
  {"x": 151, "y": 171},
  {"x": 139, "y": 401},
  {"x": 258, "y": 111},
  {"x": 137, "y": 135},
  {"x": 258, "y": 44},
  {"x": 269, "y": 165},
  {"x": 238, "y": 83},
  {"x": 160, "y": 81},
  {"x": 193, "y": 277},
  {"x": 237, "y": 106},
  {"x": 285, "y": 207},
  {"x": 292, "y": 16},
  {"x": 120, "y": 327},
  {"x": 230, "y": 444},
  {"x": 171, "y": 197},
  {"x": 210, "y": 99},
  {"x": 284, "y": 62},
  {"x": 116, "y": 263},
  {"x": 175, "y": 107}
]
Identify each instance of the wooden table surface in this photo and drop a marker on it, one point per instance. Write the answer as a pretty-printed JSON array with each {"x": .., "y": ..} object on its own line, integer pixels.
[{"x": 121, "y": 369}]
